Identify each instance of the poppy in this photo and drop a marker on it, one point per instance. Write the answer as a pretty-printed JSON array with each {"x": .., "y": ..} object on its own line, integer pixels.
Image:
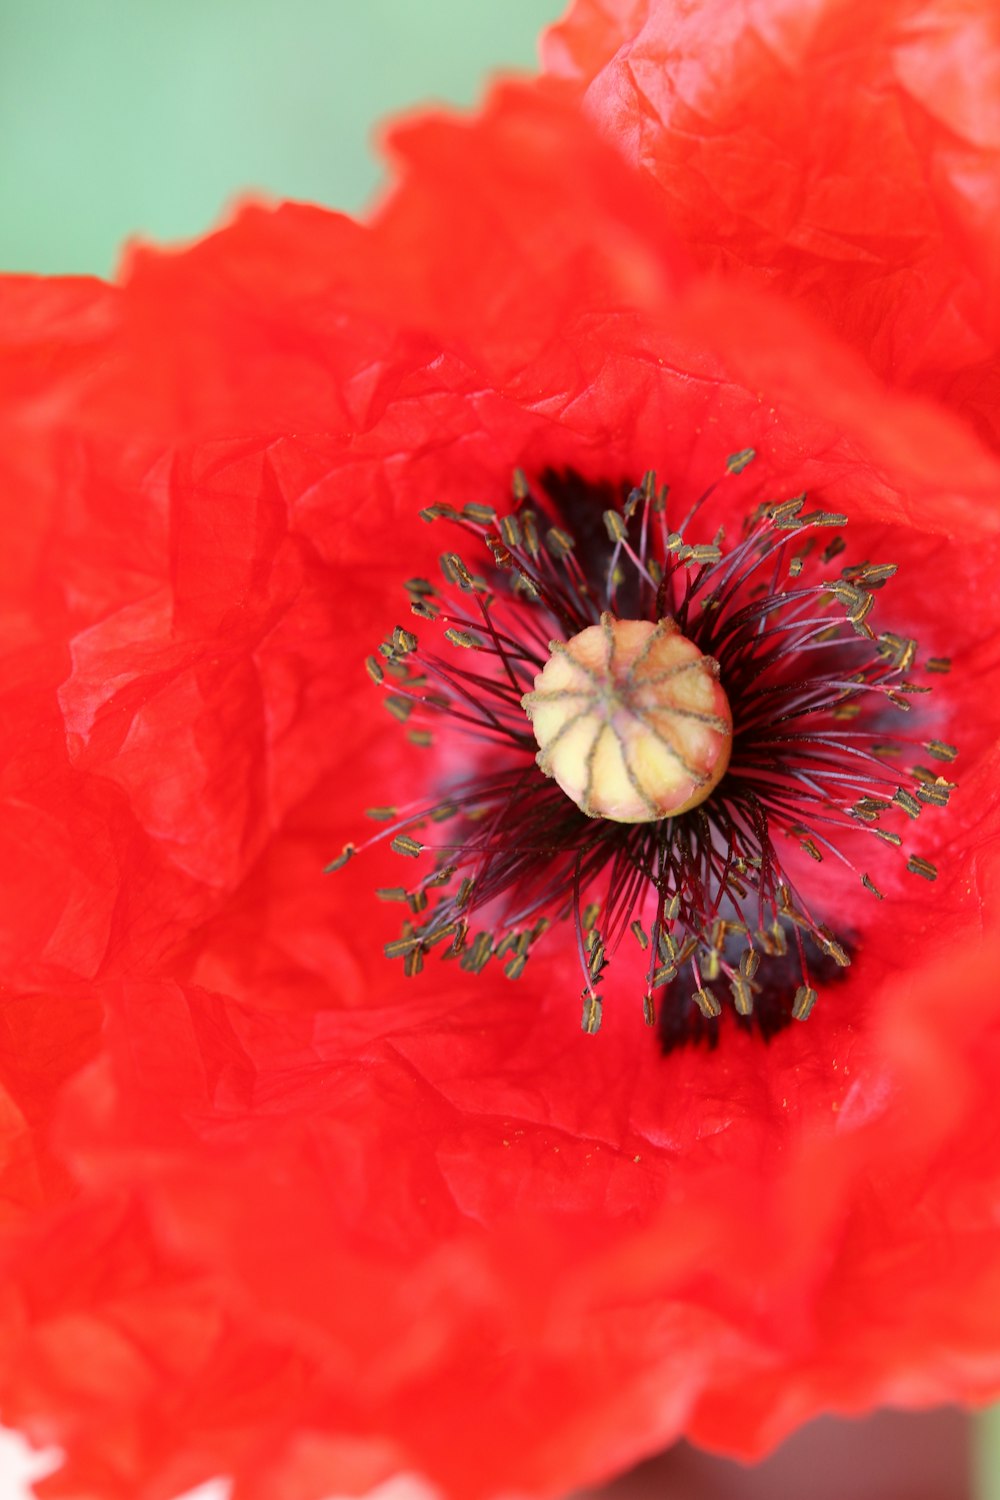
[{"x": 277, "y": 1209}]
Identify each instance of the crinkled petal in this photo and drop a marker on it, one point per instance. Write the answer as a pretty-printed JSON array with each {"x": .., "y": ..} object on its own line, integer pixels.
[
  {"x": 274, "y": 1211},
  {"x": 845, "y": 156}
]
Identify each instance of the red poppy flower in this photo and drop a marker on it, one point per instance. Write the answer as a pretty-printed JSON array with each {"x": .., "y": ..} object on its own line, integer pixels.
[{"x": 274, "y": 1209}]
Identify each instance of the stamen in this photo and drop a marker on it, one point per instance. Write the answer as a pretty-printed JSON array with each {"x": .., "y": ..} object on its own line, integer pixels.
[{"x": 699, "y": 708}]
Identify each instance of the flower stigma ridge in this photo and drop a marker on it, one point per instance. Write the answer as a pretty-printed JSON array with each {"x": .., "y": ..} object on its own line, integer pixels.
[{"x": 705, "y": 892}]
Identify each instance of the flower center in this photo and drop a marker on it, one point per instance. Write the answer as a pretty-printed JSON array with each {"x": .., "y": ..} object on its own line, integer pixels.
[
  {"x": 631, "y": 720},
  {"x": 708, "y": 720}
]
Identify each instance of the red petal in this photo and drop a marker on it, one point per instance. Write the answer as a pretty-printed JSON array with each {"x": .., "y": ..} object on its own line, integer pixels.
[
  {"x": 280, "y": 1214},
  {"x": 847, "y": 159}
]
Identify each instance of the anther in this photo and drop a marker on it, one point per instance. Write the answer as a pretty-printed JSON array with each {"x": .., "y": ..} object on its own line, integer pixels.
[
  {"x": 805, "y": 999},
  {"x": 591, "y": 1013},
  {"x": 403, "y": 641},
  {"x": 403, "y": 844},
  {"x": 907, "y": 802},
  {"x": 742, "y": 994},
  {"x": 614, "y": 525},
  {"x": 464, "y": 638},
  {"x": 737, "y": 462},
  {"x": 749, "y": 962},
  {"x": 708, "y": 1004},
  {"x": 479, "y": 515},
  {"x": 560, "y": 542}
]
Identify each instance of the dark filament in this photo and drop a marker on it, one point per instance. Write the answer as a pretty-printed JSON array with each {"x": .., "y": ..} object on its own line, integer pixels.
[{"x": 706, "y": 895}]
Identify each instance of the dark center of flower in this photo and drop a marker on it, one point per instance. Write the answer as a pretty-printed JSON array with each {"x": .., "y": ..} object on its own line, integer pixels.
[{"x": 704, "y": 716}]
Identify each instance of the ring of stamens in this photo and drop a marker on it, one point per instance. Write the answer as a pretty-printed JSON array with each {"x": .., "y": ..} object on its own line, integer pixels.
[{"x": 707, "y": 893}]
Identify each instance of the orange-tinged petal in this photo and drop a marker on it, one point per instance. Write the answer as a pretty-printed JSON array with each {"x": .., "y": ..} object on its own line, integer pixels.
[{"x": 274, "y": 1212}]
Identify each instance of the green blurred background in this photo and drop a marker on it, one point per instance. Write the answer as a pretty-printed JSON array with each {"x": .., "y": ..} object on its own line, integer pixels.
[{"x": 120, "y": 117}]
